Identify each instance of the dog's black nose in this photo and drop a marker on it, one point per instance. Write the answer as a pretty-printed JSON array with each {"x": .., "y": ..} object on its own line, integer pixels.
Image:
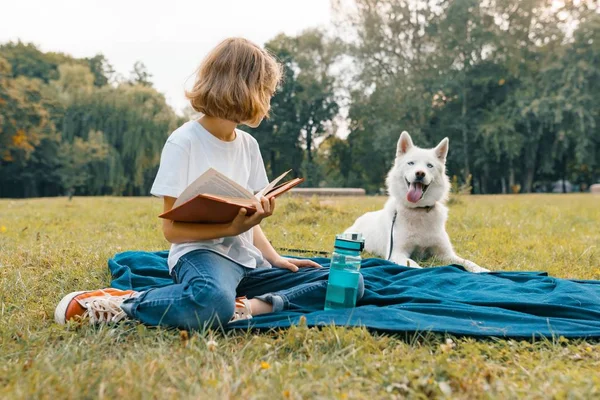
[{"x": 420, "y": 175}]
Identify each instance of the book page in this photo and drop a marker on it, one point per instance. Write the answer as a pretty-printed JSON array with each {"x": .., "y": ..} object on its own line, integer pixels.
[
  {"x": 271, "y": 185},
  {"x": 248, "y": 203},
  {"x": 214, "y": 183}
]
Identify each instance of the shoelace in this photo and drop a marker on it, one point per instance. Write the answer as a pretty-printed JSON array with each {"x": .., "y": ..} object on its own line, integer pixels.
[
  {"x": 242, "y": 310},
  {"x": 104, "y": 310}
]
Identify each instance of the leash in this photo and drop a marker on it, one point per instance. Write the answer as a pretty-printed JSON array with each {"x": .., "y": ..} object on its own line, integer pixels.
[
  {"x": 392, "y": 235},
  {"x": 326, "y": 253},
  {"x": 304, "y": 251}
]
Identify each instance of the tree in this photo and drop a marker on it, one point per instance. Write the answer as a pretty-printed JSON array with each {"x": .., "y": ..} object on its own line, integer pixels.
[
  {"x": 78, "y": 158},
  {"x": 135, "y": 121},
  {"x": 335, "y": 161},
  {"x": 24, "y": 120},
  {"x": 304, "y": 105},
  {"x": 70, "y": 134},
  {"x": 507, "y": 81},
  {"x": 394, "y": 47},
  {"x": 465, "y": 24},
  {"x": 574, "y": 83},
  {"x": 101, "y": 68},
  {"x": 140, "y": 75},
  {"x": 74, "y": 80},
  {"x": 25, "y": 125},
  {"x": 26, "y": 60}
]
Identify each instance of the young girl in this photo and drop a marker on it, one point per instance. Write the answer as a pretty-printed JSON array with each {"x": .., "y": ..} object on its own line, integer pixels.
[{"x": 212, "y": 264}]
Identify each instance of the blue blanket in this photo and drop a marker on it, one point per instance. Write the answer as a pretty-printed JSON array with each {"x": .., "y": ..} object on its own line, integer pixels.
[{"x": 444, "y": 300}]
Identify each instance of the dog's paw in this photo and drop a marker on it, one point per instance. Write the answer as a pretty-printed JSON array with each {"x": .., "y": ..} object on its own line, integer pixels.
[
  {"x": 472, "y": 267},
  {"x": 412, "y": 263}
]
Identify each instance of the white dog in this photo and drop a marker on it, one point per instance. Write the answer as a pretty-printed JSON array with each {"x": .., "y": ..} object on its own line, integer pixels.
[{"x": 413, "y": 221}]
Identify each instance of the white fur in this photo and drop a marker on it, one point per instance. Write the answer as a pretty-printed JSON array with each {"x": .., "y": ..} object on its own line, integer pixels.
[{"x": 417, "y": 231}]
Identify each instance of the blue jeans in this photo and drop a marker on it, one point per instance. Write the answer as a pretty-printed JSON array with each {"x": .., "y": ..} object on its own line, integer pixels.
[{"x": 206, "y": 285}]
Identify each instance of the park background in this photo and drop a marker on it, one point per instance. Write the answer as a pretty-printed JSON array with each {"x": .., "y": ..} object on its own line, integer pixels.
[
  {"x": 90, "y": 91},
  {"x": 511, "y": 83}
]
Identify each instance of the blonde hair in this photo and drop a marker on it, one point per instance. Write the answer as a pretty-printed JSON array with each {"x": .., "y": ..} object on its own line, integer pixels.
[{"x": 236, "y": 82}]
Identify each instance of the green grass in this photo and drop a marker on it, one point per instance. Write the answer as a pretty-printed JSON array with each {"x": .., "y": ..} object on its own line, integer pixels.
[{"x": 51, "y": 246}]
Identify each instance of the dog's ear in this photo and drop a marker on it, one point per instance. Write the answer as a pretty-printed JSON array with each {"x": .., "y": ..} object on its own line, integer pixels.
[
  {"x": 441, "y": 150},
  {"x": 405, "y": 143}
]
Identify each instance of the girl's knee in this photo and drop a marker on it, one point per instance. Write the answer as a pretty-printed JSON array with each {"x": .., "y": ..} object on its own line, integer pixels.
[
  {"x": 211, "y": 307},
  {"x": 222, "y": 308}
]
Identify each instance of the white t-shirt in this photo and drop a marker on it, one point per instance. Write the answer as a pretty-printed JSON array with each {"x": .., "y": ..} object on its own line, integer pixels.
[{"x": 189, "y": 152}]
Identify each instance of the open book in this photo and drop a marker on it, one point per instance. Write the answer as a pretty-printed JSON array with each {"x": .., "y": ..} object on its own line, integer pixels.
[{"x": 214, "y": 198}]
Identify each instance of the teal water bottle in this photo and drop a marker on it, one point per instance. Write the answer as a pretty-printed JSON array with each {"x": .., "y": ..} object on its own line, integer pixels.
[{"x": 342, "y": 287}]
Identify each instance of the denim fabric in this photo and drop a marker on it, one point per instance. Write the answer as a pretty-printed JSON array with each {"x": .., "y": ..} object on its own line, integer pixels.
[{"x": 206, "y": 284}]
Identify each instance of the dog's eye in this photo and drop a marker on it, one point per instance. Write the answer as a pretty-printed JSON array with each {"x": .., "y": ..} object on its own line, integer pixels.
[
  {"x": 411, "y": 163},
  {"x": 429, "y": 166}
]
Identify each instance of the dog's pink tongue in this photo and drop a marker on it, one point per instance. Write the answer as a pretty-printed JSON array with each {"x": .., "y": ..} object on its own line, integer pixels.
[{"x": 415, "y": 192}]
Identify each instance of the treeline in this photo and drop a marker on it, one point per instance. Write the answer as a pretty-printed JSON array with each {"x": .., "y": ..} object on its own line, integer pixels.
[
  {"x": 67, "y": 127},
  {"x": 511, "y": 83}
]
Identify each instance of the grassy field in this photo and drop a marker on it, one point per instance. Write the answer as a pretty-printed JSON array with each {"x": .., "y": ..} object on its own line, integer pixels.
[{"x": 49, "y": 247}]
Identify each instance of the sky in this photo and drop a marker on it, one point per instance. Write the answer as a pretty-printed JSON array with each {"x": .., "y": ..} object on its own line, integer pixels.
[{"x": 169, "y": 37}]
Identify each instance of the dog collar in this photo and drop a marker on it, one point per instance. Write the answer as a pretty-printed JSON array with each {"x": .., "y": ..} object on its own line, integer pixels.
[{"x": 426, "y": 208}]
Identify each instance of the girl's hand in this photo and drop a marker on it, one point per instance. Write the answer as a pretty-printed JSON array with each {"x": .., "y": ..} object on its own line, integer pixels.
[
  {"x": 293, "y": 264},
  {"x": 242, "y": 223}
]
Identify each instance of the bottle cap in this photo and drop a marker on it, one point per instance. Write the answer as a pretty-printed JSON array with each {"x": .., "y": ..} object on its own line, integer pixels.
[{"x": 349, "y": 241}]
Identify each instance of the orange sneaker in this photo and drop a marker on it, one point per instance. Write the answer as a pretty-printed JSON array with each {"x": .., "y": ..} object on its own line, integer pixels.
[
  {"x": 242, "y": 309},
  {"x": 99, "y": 306}
]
